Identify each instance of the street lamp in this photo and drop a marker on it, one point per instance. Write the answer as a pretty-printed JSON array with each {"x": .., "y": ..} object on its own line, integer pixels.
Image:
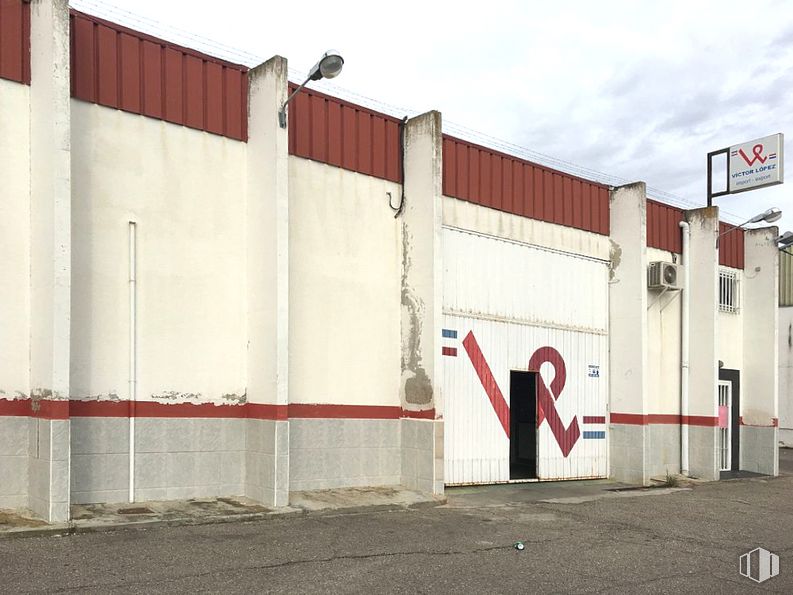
[
  {"x": 785, "y": 240},
  {"x": 328, "y": 67},
  {"x": 768, "y": 216}
]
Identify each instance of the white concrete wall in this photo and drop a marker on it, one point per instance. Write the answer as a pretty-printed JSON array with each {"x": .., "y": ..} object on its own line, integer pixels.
[
  {"x": 473, "y": 217},
  {"x": 14, "y": 240},
  {"x": 663, "y": 343},
  {"x": 344, "y": 287},
  {"x": 186, "y": 191},
  {"x": 730, "y": 347}
]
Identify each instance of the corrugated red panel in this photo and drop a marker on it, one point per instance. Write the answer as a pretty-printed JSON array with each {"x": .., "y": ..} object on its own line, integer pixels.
[
  {"x": 731, "y": 246},
  {"x": 499, "y": 181},
  {"x": 124, "y": 69},
  {"x": 15, "y": 41},
  {"x": 663, "y": 227},
  {"x": 342, "y": 134}
]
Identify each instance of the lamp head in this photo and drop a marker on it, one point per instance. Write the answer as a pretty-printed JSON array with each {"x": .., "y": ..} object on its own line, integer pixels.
[
  {"x": 785, "y": 240},
  {"x": 769, "y": 216},
  {"x": 328, "y": 67}
]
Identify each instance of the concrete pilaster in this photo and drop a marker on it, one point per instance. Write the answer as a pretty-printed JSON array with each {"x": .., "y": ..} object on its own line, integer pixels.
[
  {"x": 421, "y": 298},
  {"x": 50, "y": 255},
  {"x": 759, "y": 382},
  {"x": 628, "y": 333},
  {"x": 267, "y": 229},
  {"x": 703, "y": 359}
]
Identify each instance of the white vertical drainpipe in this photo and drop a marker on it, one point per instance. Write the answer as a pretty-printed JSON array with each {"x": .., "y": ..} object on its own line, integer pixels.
[
  {"x": 684, "y": 349},
  {"x": 132, "y": 356}
]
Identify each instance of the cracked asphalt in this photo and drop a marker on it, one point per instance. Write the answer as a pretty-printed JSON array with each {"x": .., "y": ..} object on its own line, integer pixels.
[{"x": 685, "y": 541}]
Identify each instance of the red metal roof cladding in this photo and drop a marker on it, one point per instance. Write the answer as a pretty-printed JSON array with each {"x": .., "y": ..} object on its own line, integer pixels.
[
  {"x": 731, "y": 246},
  {"x": 127, "y": 70},
  {"x": 342, "y": 134},
  {"x": 499, "y": 181},
  {"x": 663, "y": 227},
  {"x": 15, "y": 41},
  {"x": 664, "y": 233}
]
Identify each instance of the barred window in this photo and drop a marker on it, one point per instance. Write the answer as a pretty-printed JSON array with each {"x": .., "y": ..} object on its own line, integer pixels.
[{"x": 729, "y": 291}]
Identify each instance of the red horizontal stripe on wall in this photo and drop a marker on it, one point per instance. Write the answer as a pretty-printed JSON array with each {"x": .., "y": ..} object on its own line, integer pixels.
[
  {"x": 40, "y": 408},
  {"x": 342, "y": 134},
  {"x": 300, "y": 410},
  {"x": 15, "y": 408},
  {"x": 638, "y": 419},
  {"x": 425, "y": 414},
  {"x": 15, "y": 41},
  {"x": 65, "y": 409},
  {"x": 267, "y": 411},
  {"x": 117, "y": 67},
  {"x": 500, "y": 181}
]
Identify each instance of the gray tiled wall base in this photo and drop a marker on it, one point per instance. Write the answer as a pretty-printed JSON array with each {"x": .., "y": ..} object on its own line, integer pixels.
[
  {"x": 759, "y": 450},
  {"x": 422, "y": 455},
  {"x": 174, "y": 458},
  {"x": 48, "y": 468},
  {"x": 267, "y": 461},
  {"x": 333, "y": 453},
  {"x": 663, "y": 449},
  {"x": 14, "y": 462},
  {"x": 703, "y": 451},
  {"x": 627, "y": 454}
]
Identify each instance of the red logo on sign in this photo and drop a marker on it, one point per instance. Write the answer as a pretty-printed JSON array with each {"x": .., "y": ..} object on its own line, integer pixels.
[
  {"x": 547, "y": 397},
  {"x": 757, "y": 151}
]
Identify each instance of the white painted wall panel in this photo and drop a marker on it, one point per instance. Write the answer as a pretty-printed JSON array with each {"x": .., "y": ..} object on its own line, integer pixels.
[
  {"x": 344, "y": 287},
  {"x": 515, "y": 299},
  {"x": 476, "y": 446},
  {"x": 185, "y": 188},
  {"x": 504, "y": 279}
]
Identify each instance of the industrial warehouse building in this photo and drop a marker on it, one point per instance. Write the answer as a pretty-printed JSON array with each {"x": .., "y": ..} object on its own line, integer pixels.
[{"x": 199, "y": 303}]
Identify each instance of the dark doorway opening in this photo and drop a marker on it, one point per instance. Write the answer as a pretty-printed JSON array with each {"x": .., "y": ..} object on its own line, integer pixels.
[
  {"x": 522, "y": 425},
  {"x": 734, "y": 377}
]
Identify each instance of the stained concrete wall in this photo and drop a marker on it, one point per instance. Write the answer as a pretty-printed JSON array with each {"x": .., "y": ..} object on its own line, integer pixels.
[
  {"x": 759, "y": 382},
  {"x": 50, "y": 254},
  {"x": 628, "y": 333},
  {"x": 703, "y": 355}
]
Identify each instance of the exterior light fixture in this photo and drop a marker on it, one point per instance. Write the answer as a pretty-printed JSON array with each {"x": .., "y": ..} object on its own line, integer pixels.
[
  {"x": 785, "y": 240},
  {"x": 328, "y": 67},
  {"x": 768, "y": 216}
]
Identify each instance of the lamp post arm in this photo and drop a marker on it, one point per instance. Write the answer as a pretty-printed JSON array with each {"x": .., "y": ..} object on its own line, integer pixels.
[{"x": 282, "y": 111}]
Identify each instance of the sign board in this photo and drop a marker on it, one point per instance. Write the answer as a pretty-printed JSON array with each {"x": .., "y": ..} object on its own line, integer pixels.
[
  {"x": 750, "y": 165},
  {"x": 756, "y": 164}
]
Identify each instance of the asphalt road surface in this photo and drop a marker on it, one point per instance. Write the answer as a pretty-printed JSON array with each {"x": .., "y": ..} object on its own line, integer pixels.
[{"x": 686, "y": 541}]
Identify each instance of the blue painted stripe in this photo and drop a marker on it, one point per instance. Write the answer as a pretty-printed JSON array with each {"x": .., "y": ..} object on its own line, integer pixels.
[
  {"x": 594, "y": 435},
  {"x": 449, "y": 334}
]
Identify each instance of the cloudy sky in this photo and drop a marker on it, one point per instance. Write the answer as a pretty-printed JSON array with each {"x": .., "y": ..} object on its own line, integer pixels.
[{"x": 631, "y": 90}]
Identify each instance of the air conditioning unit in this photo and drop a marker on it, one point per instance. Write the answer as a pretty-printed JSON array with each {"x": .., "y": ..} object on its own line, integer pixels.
[{"x": 664, "y": 275}]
